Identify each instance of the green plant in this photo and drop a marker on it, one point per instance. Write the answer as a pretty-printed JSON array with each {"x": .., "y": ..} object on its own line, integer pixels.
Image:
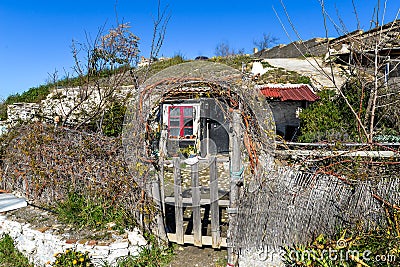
[
  {"x": 10, "y": 256},
  {"x": 113, "y": 120},
  {"x": 280, "y": 75},
  {"x": 152, "y": 255},
  {"x": 351, "y": 248},
  {"x": 221, "y": 262},
  {"x": 234, "y": 61},
  {"x": 187, "y": 151},
  {"x": 72, "y": 258},
  {"x": 327, "y": 120},
  {"x": 158, "y": 66},
  {"x": 84, "y": 211}
]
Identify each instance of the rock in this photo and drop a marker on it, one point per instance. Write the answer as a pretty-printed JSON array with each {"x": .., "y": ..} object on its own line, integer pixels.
[
  {"x": 92, "y": 243},
  {"x": 100, "y": 252},
  {"x": 114, "y": 255},
  {"x": 41, "y": 245},
  {"x": 136, "y": 239},
  {"x": 71, "y": 241},
  {"x": 119, "y": 245}
]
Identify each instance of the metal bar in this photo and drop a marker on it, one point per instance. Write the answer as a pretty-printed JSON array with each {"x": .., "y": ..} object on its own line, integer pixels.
[{"x": 341, "y": 153}]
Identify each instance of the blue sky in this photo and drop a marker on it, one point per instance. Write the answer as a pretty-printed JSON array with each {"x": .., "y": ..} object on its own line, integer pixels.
[{"x": 36, "y": 36}]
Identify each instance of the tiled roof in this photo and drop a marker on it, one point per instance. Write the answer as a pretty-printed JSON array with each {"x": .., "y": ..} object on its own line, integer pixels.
[{"x": 296, "y": 92}]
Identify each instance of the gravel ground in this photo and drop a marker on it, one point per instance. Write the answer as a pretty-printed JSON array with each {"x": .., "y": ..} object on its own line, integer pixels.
[{"x": 201, "y": 257}]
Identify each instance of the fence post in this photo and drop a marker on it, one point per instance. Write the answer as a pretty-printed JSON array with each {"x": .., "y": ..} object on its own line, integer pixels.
[
  {"x": 234, "y": 187},
  {"x": 214, "y": 207},
  {"x": 178, "y": 201},
  {"x": 196, "y": 205},
  {"x": 160, "y": 215}
]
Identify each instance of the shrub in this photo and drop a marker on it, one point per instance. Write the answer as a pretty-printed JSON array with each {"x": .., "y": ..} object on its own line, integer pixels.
[
  {"x": 113, "y": 120},
  {"x": 326, "y": 120}
]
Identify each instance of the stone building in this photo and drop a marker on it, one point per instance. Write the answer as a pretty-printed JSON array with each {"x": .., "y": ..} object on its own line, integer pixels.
[{"x": 286, "y": 102}]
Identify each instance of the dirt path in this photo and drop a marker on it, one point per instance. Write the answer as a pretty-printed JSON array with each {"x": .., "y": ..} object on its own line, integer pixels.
[{"x": 201, "y": 257}]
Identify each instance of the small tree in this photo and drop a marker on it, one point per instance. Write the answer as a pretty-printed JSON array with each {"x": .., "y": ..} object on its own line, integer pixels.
[
  {"x": 266, "y": 41},
  {"x": 105, "y": 68},
  {"x": 102, "y": 67},
  {"x": 224, "y": 50}
]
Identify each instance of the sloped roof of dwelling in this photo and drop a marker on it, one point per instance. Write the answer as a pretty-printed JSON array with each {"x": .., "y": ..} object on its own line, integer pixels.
[{"x": 286, "y": 92}]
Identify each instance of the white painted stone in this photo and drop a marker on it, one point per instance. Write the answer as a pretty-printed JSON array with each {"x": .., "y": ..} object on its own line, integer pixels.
[
  {"x": 100, "y": 252},
  {"x": 114, "y": 255},
  {"x": 119, "y": 245},
  {"x": 29, "y": 233},
  {"x": 27, "y": 246},
  {"x": 40, "y": 247},
  {"x": 136, "y": 239},
  {"x": 68, "y": 246},
  {"x": 82, "y": 248}
]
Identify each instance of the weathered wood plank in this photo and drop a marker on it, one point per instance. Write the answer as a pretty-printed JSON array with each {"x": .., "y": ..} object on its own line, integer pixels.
[
  {"x": 189, "y": 239},
  {"x": 214, "y": 208},
  {"x": 188, "y": 202},
  {"x": 341, "y": 153},
  {"x": 234, "y": 187},
  {"x": 159, "y": 216},
  {"x": 226, "y": 159},
  {"x": 196, "y": 205},
  {"x": 178, "y": 201}
]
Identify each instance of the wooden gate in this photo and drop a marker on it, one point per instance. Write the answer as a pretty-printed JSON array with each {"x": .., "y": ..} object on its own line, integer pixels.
[{"x": 193, "y": 210}]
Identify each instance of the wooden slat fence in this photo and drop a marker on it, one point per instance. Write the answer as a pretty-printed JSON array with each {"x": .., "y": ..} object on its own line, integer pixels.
[{"x": 195, "y": 203}]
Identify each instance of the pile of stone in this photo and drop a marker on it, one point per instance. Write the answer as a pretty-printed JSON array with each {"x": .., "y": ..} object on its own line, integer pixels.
[{"x": 40, "y": 242}]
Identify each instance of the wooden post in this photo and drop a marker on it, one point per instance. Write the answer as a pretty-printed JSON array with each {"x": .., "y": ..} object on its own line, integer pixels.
[
  {"x": 214, "y": 207},
  {"x": 234, "y": 185},
  {"x": 163, "y": 155},
  {"x": 196, "y": 205},
  {"x": 178, "y": 201},
  {"x": 159, "y": 217}
]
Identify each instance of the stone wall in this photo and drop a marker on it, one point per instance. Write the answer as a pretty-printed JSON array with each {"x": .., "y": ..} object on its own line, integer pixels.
[
  {"x": 40, "y": 245},
  {"x": 285, "y": 114},
  {"x": 22, "y": 111},
  {"x": 3, "y": 127},
  {"x": 65, "y": 103},
  {"x": 78, "y": 104},
  {"x": 314, "y": 47}
]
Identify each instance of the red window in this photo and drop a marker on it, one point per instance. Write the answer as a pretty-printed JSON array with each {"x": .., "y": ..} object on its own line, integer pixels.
[{"x": 180, "y": 122}]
